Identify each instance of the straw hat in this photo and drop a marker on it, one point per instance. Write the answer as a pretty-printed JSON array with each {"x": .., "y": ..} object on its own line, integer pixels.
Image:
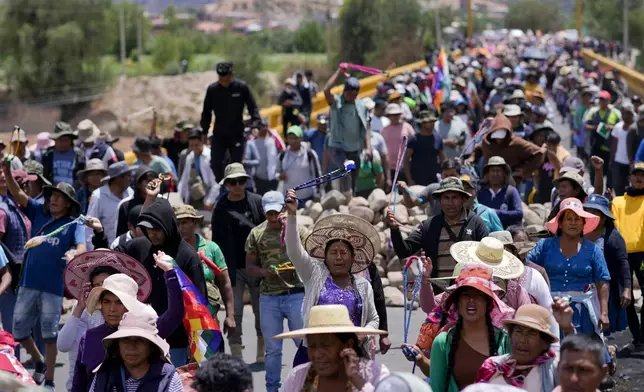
[
  {"x": 489, "y": 251},
  {"x": 574, "y": 205},
  {"x": 532, "y": 316},
  {"x": 122, "y": 286},
  {"x": 358, "y": 232},
  {"x": 142, "y": 324},
  {"x": 79, "y": 269},
  {"x": 329, "y": 319},
  {"x": 506, "y": 238}
]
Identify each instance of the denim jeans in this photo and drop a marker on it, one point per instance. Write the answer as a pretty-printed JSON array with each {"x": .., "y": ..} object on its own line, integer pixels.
[
  {"x": 243, "y": 280},
  {"x": 32, "y": 304},
  {"x": 273, "y": 309}
]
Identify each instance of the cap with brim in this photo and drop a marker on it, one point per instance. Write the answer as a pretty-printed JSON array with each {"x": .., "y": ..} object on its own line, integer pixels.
[
  {"x": 68, "y": 191},
  {"x": 490, "y": 252},
  {"x": 79, "y": 269},
  {"x": 361, "y": 234},
  {"x": 116, "y": 170},
  {"x": 186, "y": 211},
  {"x": 532, "y": 316},
  {"x": 574, "y": 205},
  {"x": 273, "y": 201},
  {"x": 329, "y": 319},
  {"x": 295, "y": 130},
  {"x": 94, "y": 164},
  {"x": 22, "y": 177},
  {"x": 637, "y": 167},
  {"x": 234, "y": 170},
  {"x": 450, "y": 184},
  {"x": 599, "y": 203},
  {"x": 146, "y": 224}
]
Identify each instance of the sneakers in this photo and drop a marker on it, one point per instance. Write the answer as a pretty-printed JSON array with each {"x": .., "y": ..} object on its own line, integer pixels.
[
  {"x": 39, "y": 372},
  {"x": 49, "y": 386},
  {"x": 631, "y": 348}
]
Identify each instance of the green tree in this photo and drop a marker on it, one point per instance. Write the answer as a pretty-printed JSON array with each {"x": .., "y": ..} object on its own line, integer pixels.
[
  {"x": 133, "y": 13},
  {"x": 309, "y": 38},
  {"x": 247, "y": 58},
  {"x": 358, "y": 24},
  {"x": 544, "y": 15},
  {"x": 53, "y": 48},
  {"x": 399, "y": 32}
]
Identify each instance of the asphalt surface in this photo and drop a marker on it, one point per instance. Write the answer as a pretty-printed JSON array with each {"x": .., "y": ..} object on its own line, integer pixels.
[{"x": 629, "y": 376}]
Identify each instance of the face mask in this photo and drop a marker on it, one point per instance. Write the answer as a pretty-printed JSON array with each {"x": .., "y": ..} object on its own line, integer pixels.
[{"x": 499, "y": 134}]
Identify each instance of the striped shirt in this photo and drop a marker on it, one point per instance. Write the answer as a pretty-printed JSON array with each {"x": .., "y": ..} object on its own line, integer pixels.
[
  {"x": 132, "y": 384},
  {"x": 446, "y": 262}
]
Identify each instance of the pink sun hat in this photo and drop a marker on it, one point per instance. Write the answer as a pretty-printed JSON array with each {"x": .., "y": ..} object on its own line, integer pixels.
[{"x": 576, "y": 206}]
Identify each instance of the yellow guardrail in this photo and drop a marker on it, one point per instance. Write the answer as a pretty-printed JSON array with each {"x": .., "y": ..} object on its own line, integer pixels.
[
  {"x": 634, "y": 79},
  {"x": 367, "y": 89}
]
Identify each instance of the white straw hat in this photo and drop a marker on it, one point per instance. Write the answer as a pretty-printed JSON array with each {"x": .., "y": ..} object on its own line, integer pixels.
[
  {"x": 329, "y": 319},
  {"x": 488, "y": 251}
]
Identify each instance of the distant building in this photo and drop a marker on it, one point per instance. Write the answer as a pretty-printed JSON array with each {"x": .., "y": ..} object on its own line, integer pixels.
[{"x": 496, "y": 9}]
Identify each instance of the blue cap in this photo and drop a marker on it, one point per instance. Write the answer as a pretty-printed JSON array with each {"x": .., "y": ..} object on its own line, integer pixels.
[
  {"x": 599, "y": 203},
  {"x": 272, "y": 201},
  {"x": 352, "y": 84}
]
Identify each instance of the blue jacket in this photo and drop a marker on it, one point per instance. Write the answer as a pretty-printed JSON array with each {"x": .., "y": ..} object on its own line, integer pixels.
[
  {"x": 506, "y": 203},
  {"x": 639, "y": 155}
]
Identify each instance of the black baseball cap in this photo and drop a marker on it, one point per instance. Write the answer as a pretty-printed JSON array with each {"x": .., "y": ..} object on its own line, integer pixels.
[
  {"x": 224, "y": 69},
  {"x": 195, "y": 133}
]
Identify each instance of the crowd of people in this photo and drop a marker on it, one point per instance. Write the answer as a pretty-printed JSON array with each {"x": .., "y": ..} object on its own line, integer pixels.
[{"x": 511, "y": 305}]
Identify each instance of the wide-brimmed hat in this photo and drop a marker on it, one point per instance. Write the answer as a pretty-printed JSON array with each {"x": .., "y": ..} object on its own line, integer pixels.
[
  {"x": 43, "y": 141},
  {"x": 575, "y": 178},
  {"x": 534, "y": 317},
  {"x": 361, "y": 234},
  {"x": 505, "y": 237},
  {"x": 497, "y": 161},
  {"x": 186, "y": 211},
  {"x": 62, "y": 129},
  {"x": 572, "y": 164},
  {"x": 94, "y": 164},
  {"x": 87, "y": 131},
  {"x": 393, "y": 109},
  {"x": 476, "y": 276},
  {"x": 329, "y": 319},
  {"x": 122, "y": 286},
  {"x": 574, "y": 205},
  {"x": 490, "y": 252},
  {"x": 234, "y": 170},
  {"x": 511, "y": 110},
  {"x": 117, "y": 169},
  {"x": 36, "y": 168},
  {"x": 67, "y": 190},
  {"x": 107, "y": 136},
  {"x": 450, "y": 184},
  {"x": 79, "y": 269},
  {"x": 141, "y": 324},
  {"x": 599, "y": 203}
]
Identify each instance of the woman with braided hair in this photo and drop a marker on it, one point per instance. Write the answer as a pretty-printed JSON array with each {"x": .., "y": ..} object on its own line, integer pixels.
[
  {"x": 474, "y": 338},
  {"x": 330, "y": 264}
]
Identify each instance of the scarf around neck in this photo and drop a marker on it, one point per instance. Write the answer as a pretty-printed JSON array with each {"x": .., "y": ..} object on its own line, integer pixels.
[
  {"x": 634, "y": 192},
  {"x": 513, "y": 373}
]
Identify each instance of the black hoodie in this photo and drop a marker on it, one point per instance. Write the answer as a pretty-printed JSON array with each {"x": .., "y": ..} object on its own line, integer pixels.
[
  {"x": 137, "y": 199},
  {"x": 161, "y": 215}
]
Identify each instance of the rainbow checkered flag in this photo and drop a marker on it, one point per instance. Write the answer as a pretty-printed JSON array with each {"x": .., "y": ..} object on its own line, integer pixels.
[{"x": 203, "y": 330}]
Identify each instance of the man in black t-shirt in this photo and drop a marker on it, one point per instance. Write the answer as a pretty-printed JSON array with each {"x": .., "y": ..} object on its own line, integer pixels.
[{"x": 424, "y": 152}]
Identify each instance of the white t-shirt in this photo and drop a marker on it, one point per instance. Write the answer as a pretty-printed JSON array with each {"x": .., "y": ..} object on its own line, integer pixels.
[
  {"x": 377, "y": 123},
  {"x": 619, "y": 133},
  {"x": 537, "y": 287}
]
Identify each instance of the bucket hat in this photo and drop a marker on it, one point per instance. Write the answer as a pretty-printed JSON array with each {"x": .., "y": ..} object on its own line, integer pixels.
[
  {"x": 67, "y": 190},
  {"x": 517, "y": 94},
  {"x": 393, "y": 109},
  {"x": 329, "y": 319},
  {"x": 505, "y": 237},
  {"x": 511, "y": 110},
  {"x": 574, "y": 205},
  {"x": 186, "y": 211},
  {"x": 427, "y": 116},
  {"x": 490, "y": 252},
  {"x": 78, "y": 270},
  {"x": 87, "y": 131},
  {"x": 361, "y": 234},
  {"x": 117, "y": 169},
  {"x": 534, "y": 317},
  {"x": 141, "y": 324},
  {"x": 36, "y": 168},
  {"x": 234, "y": 170},
  {"x": 62, "y": 129},
  {"x": 450, "y": 184},
  {"x": 497, "y": 161},
  {"x": 599, "y": 203},
  {"x": 94, "y": 164},
  {"x": 43, "y": 141},
  {"x": 123, "y": 287},
  {"x": 575, "y": 178}
]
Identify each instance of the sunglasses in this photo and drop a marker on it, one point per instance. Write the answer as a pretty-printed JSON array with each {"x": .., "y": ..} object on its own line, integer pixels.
[{"x": 236, "y": 181}]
